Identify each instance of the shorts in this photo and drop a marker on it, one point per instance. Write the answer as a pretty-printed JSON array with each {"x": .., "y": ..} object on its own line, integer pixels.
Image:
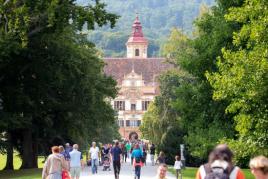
[{"x": 75, "y": 171}]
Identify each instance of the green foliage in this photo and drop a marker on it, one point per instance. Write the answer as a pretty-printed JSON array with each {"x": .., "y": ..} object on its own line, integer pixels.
[
  {"x": 243, "y": 72},
  {"x": 158, "y": 17},
  {"x": 203, "y": 120},
  {"x": 244, "y": 149},
  {"x": 190, "y": 173},
  {"x": 52, "y": 85},
  {"x": 161, "y": 123},
  {"x": 177, "y": 48}
]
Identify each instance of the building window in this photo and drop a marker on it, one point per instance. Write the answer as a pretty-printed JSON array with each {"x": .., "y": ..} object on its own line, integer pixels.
[
  {"x": 145, "y": 105},
  {"x": 133, "y": 123},
  {"x": 119, "y": 105},
  {"x": 133, "y": 107},
  {"x": 137, "y": 52},
  {"x": 127, "y": 123},
  {"x": 120, "y": 123}
]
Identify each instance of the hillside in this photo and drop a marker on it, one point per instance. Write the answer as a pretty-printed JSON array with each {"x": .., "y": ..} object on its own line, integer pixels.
[{"x": 156, "y": 16}]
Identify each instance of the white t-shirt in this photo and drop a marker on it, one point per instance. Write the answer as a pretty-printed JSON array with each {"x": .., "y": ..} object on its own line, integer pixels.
[
  {"x": 177, "y": 165},
  {"x": 94, "y": 152}
]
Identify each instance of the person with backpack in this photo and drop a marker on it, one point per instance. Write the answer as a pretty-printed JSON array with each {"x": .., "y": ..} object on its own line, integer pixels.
[
  {"x": 220, "y": 165},
  {"x": 137, "y": 160}
]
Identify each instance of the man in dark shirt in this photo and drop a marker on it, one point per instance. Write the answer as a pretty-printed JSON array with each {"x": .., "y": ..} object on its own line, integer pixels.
[
  {"x": 116, "y": 154},
  {"x": 152, "y": 153}
]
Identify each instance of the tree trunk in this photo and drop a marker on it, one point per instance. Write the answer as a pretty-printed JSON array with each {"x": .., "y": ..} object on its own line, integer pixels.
[
  {"x": 35, "y": 151},
  {"x": 29, "y": 159},
  {"x": 9, "y": 162}
]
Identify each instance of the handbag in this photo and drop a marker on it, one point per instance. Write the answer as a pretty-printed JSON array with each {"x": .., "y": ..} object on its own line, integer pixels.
[{"x": 65, "y": 175}]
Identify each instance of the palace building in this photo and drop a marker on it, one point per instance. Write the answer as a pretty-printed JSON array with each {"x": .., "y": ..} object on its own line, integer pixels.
[{"x": 136, "y": 77}]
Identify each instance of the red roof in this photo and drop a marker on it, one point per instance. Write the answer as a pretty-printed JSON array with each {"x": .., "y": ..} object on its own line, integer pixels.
[
  {"x": 137, "y": 34},
  {"x": 149, "y": 68}
]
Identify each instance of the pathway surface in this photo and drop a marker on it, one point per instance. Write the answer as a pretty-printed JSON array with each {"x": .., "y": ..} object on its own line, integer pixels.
[{"x": 147, "y": 172}]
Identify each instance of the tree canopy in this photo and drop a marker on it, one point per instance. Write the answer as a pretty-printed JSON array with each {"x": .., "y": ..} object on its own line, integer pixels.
[
  {"x": 223, "y": 98},
  {"x": 53, "y": 88},
  {"x": 242, "y": 78}
]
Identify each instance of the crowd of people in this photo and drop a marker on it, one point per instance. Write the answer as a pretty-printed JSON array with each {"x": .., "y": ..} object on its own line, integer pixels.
[{"x": 67, "y": 162}]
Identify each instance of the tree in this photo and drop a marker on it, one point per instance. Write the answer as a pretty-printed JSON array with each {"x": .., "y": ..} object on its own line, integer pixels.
[
  {"x": 50, "y": 75},
  {"x": 242, "y": 78},
  {"x": 202, "y": 120},
  {"x": 161, "y": 123},
  {"x": 177, "y": 46}
]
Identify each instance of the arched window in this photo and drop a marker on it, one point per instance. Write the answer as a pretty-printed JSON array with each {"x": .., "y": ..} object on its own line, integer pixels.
[{"x": 137, "y": 52}]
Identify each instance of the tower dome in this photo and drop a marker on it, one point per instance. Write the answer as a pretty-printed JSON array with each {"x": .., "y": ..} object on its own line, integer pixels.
[{"x": 137, "y": 44}]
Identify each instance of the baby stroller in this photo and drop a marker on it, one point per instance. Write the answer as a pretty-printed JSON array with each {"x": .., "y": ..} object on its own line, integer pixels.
[{"x": 106, "y": 163}]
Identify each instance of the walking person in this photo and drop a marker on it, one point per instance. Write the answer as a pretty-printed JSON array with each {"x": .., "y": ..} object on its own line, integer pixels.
[
  {"x": 54, "y": 165},
  {"x": 177, "y": 167},
  {"x": 152, "y": 153},
  {"x": 259, "y": 167},
  {"x": 76, "y": 162},
  {"x": 131, "y": 150},
  {"x": 116, "y": 154},
  {"x": 162, "y": 171},
  {"x": 67, "y": 150},
  {"x": 124, "y": 147},
  {"x": 63, "y": 153},
  {"x": 65, "y": 173},
  {"x": 94, "y": 155},
  {"x": 161, "y": 158},
  {"x": 144, "y": 156},
  {"x": 220, "y": 165},
  {"x": 128, "y": 148},
  {"x": 137, "y": 160}
]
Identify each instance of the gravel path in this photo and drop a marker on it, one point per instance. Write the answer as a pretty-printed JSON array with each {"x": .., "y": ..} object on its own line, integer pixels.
[{"x": 147, "y": 172}]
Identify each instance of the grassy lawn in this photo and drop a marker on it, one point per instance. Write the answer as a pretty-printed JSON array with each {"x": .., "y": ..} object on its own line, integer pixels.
[
  {"x": 17, "y": 161},
  {"x": 189, "y": 173},
  {"x": 20, "y": 174}
]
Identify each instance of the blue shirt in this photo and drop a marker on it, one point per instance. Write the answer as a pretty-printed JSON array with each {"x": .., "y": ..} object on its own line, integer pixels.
[
  {"x": 137, "y": 153},
  {"x": 67, "y": 153},
  {"x": 116, "y": 151},
  {"x": 75, "y": 158}
]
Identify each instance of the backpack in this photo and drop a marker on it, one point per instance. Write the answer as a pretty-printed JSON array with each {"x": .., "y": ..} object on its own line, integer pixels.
[
  {"x": 137, "y": 159},
  {"x": 216, "y": 173}
]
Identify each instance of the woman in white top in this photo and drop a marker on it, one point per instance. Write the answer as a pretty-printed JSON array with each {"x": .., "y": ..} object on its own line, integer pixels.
[
  {"x": 177, "y": 166},
  {"x": 94, "y": 155}
]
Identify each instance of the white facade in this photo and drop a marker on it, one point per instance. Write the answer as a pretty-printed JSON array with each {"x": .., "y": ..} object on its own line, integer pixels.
[
  {"x": 137, "y": 50},
  {"x": 132, "y": 102}
]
